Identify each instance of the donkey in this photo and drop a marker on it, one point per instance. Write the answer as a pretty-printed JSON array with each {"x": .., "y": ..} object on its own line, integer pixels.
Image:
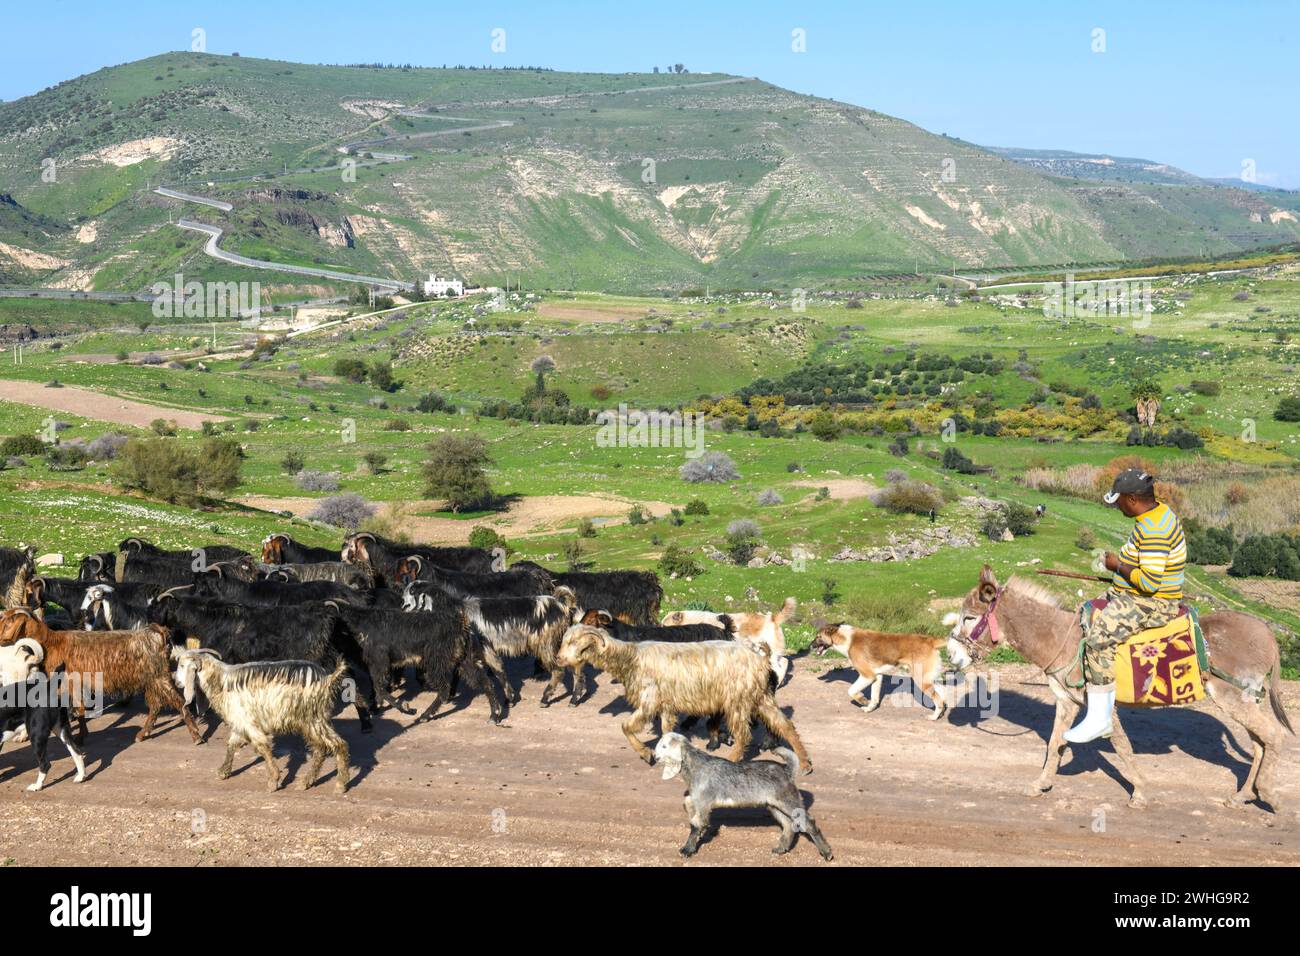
[{"x": 1246, "y": 665}]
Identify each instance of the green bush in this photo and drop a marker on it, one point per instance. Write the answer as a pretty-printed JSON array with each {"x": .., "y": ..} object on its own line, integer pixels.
[
  {"x": 1020, "y": 519},
  {"x": 696, "y": 507},
  {"x": 676, "y": 561},
  {"x": 1208, "y": 545},
  {"x": 904, "y": 497},
  {"x": 352, "y": 369},
  {"x": 456, "y": 471},
  {"x": 481, "y": 536},
  {"x": 1288, "y": 410},
  {"x": 24, "y": 446},
  {"x": 292, "y": 463},
  {"x": 177, "y": 472}
]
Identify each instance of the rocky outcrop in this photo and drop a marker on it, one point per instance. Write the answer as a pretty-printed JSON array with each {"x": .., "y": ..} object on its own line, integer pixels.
[{"x": 929, "y": 541}]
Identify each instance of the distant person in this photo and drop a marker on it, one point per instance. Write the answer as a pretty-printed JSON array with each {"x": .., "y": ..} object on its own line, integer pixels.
[{"x": 1146, "y": 587}]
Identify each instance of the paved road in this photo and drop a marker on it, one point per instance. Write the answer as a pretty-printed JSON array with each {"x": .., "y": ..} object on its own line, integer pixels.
[
  {"x": 212, "y": 249},
  {"x": 189, "y": 197}
]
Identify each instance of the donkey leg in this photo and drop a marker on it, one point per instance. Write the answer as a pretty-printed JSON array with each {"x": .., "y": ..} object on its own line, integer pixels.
[
  {"x": 1066, "y": 710},
  {"x": 1128, "y": 764},
  {"x": 1258, "y": 726}
]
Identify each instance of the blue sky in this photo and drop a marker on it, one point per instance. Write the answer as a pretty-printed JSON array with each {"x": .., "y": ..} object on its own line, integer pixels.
[{"x": 1205, "y": 86}]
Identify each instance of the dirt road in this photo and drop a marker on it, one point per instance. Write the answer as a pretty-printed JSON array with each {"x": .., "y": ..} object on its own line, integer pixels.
[
  {"x": 561, "y": 786},
  {"x": 97, "y": 405}
]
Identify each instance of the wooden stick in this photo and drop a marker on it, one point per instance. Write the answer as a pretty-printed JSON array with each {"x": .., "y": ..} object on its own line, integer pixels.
[{"x": 1073, "y": 574}]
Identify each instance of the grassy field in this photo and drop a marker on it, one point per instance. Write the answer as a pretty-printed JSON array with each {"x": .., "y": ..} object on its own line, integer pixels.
[{"x": 663, "y": 353}]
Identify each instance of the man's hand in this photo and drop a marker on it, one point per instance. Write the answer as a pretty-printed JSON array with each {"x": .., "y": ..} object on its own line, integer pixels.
[{"x": 1111, "y": 561}]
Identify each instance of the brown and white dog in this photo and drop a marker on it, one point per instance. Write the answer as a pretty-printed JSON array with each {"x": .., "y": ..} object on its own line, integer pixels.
[
  {"x": 877, "y": 653},
  {"x": 754, "y": 626}
]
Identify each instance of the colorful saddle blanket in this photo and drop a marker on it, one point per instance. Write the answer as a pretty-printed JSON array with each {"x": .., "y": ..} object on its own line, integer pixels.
[{"x": 1163, "y": 665}]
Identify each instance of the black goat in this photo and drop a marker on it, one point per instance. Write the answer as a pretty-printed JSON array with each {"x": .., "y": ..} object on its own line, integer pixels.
[
  {"x": 101, "y": 566},
  {"x": 522, "y": 583},
  {"x": 515, "y": 626},
  {"x": 210, "y": 553},
  {"x": 282, "y": 549},
  {"x": 384, "y": 556},
  {"x": 359, "y": 577},
  {"x": 679, "y": 634},
  {"x": 443, "y": 643},
  {"x": 272, "y": 593},
  {"x": 244, "y": 634},
  {"x": 631, "y": 596}
]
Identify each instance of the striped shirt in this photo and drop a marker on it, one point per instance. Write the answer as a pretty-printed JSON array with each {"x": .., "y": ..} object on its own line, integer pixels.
[{"x": 1157, "y": 551}]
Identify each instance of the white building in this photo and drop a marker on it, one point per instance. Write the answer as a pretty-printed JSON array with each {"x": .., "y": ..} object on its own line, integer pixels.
[{"x": 438, "y": 286}]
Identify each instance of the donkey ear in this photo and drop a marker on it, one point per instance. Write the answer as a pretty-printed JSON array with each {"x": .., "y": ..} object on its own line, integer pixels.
[{"x": 988, "y": 586}]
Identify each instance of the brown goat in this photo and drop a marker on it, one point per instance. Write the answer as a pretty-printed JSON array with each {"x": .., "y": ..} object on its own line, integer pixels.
[
  {"x": 701, "y": 679},
  {"x": 128, "y": 662}
]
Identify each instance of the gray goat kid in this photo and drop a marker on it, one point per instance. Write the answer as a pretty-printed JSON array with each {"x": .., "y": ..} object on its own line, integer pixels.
[
  {"x": 717, "y": 782},
  {"x": 263, "y": 698}
]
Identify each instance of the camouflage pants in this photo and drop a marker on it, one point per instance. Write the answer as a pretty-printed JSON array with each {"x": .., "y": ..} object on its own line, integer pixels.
[{"x": 1125, "y": 615}]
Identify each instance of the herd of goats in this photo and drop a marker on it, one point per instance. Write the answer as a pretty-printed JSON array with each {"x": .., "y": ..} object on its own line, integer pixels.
[{"x": 275, "y": 642}]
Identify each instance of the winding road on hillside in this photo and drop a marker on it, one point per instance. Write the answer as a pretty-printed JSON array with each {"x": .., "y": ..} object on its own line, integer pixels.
[{"x": 214, "y": 233}]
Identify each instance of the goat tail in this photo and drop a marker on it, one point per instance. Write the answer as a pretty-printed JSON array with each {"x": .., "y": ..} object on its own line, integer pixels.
[
  {"x": 726, "y": 622},
  {"x": 791, "y": 760},
  {"x": 335, "y": 680},
  {"x": 1275, "y": 699}
]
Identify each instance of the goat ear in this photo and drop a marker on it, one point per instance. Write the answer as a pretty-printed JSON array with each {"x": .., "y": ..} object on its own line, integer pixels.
[
  {"x": 671, "y": 768},
  {"x": 605, "y": 618}
]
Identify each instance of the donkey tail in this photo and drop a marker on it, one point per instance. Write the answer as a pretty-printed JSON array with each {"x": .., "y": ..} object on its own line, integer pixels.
[{"x": 1275, "y": 699}]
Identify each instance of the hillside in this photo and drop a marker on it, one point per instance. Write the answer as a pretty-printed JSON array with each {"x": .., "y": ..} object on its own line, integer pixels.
[{"x": 623, "y": 182}]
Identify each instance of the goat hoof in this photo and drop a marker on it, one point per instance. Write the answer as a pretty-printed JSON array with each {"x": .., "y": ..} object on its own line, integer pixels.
[{"x": 686, "y": 852}]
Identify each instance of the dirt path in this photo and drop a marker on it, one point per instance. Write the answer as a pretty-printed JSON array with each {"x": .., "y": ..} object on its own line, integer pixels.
[
  {"x": 530, "y": 515},
  {"x": 97, "y": 405},
  {"x": 561, "y": 786}
]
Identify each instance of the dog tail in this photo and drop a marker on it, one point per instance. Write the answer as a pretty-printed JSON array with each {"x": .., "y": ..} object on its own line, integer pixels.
[
  {"x": 791, "y": 761},
  {"x": 780, "y": 615}
]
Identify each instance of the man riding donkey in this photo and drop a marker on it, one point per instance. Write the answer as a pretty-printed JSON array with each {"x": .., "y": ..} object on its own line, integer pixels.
[{"x": 1145, "y": 591}]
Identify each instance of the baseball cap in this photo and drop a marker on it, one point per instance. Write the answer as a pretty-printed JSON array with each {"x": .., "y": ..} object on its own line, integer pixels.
[{"x": 1130, "y": 481}]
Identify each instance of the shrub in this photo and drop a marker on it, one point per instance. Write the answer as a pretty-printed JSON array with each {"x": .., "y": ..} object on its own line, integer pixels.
[
  {"x": 825, "y": 426},
  {"x": 345, "y": 511},
  {"x": 697, "y": 507},
  {"x": 106, "y": 447},
  {"x": 456, "y": 472},
  {"x": 19, "y": 445},
  {"x": 1236, "y": 494},
  {"x": 176, "y": 472},
  {"x": 1208, "y": 545},
  {"x": 636, "y": 515},
  {"x": 711, "y": 466},
  {"x": 573, "y": 555},
  {"x": 1206, "y": 388},
  {"x": 742, "y": 541},
  {"x": 397, "y": 425},
  {"x": 769, "y": 497},
  {"x": 675, "y": 518},
  {"x": 995, "y": 522},
  {"x": 292, "y": 463},
  {"x": 375, "y": 461},
  {"x": 317, "y": 480},
  {"x": 586, "y": 528},
  {"x": 352, "y": 369},
  {"x": 66, "y": 456},
  {"x": 1020, "y": 519},
  {"x": 162, "y": 427},
  {"x": 676, "y": 562},
  {"x": 381, "y": 376},
  {"x": 1086, "y": 539},
  {"x": 915, "y": 497},
  {"x": 481, "y": 536},
  {"x": 434, "y": 402},
  {"x": 829, "y": 594},
  {"x": 1288, "y": 410},
  {"x": 954, "y": 460}
]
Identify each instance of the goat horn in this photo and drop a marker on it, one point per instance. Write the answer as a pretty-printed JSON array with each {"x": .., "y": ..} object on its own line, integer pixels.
[
  {"x": 32, "y": 647},
  {"x": 98, "y": 560}
]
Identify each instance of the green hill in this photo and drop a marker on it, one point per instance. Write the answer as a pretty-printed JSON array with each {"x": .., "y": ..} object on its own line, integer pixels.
[{"x": 620, "y": 182}]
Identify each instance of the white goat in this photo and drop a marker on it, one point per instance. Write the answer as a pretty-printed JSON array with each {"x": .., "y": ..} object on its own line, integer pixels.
[{"x": 261, "y": 699}]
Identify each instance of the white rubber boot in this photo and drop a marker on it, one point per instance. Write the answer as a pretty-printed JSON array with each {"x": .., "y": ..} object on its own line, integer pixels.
[{"x": 1096, "y": 722}]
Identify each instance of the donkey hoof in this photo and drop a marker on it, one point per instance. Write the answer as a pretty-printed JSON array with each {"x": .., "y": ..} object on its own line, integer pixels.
[
  {"x": 1236, "y": 802},
  {"x": 1035, "y": 789},
  {"x": 1137, "y": 802}
]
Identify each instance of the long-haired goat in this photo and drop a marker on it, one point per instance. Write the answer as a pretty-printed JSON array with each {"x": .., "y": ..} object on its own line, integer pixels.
[
  {"x": 246, "y": 634},
  {"x": 760, "y": 627},
  {"x": 463, "y": 584},
  {"x": 359, "y": 577},
  {"x": 264, "y": 698},
  {"x": 515, "y": 626},
  {"x": 127, "y": 663},
  {"x": 730, "y": 678},
  {"x": 16, "y": 566}
]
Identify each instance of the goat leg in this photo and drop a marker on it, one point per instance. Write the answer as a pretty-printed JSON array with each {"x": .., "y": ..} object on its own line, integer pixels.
[{"x": 788, "y": 832}]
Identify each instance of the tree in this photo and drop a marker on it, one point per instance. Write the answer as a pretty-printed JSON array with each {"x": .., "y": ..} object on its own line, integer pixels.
[
  {"x": 541, "y": 366},
  {"x": 381, "y": 376},
  {"x": 456, "y": 472}
]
